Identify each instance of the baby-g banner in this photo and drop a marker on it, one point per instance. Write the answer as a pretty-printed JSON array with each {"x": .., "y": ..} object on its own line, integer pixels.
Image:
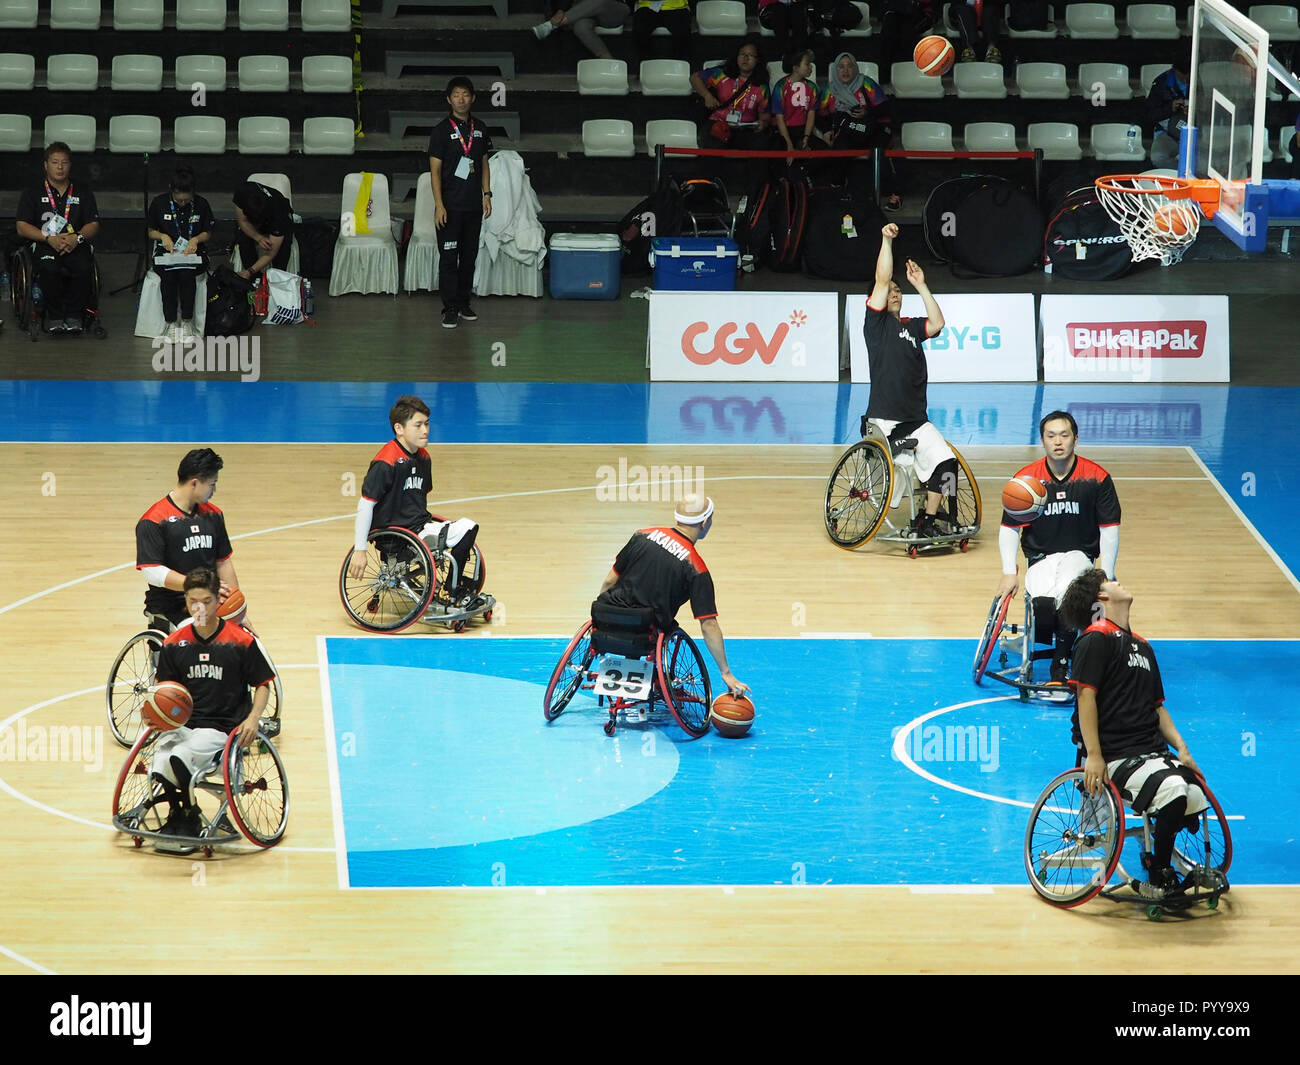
[{"x": 749, "y": 336}]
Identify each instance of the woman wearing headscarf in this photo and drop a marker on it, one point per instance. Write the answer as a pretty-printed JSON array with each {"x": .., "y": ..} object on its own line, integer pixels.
[{"x": 861, "y": 119}]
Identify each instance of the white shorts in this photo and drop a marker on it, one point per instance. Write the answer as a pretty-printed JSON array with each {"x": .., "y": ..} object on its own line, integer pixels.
[
  {"x": 195, "y": 747},
  {"x": 455, "y": 530},
  {"x": 1171, "y": 788},
  {"x": 931, "y": 447},
  {"x": 1052, "y": 575}
]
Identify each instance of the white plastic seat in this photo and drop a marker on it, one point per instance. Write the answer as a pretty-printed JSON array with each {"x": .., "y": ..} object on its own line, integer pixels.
[
  {"x": 1059, "y": 140},
  {"x": 137, "y": 73},
  {"x": 74, "y": 14},
  {"x": 327, "y": 73},
  {"x": 1267, "y": 155},
  {"x": 72, "y": 72},
  {"x": 989, "y": 137},
  {"x": 206, "y": 70},
  {"x": 365, "y": 262},
  {"x": 263, "y": 135},
  {"x": 1046, "y": 34},
  {"x": 927, "y": 137},
  {"x": 910, "y": 84},
  {"x": 1093, "y": 22},
  {"x": 326, "y": 16},
  {"x": 608, "y": 137},
  {"x": 1112, "y": 77},
  {"x": 421, "y": 270},
  {"x": 1042, "y": 81},
  {"x": 264, "y": 73},
  {"x": 980, "y": 81},
  {"x": 15, "y": 133},
  {"x": 947, "y": 24},
  {"x": 263, "y": 16},
  {"x": 199, "y": 135},
  {"x": 665, "y": 77},
  {"x": 76, "y": 131},
  {"x": 18, "y": 15},
  {"x": 1148, "y": 74},
  {"x": 1152, "y": 22},
  {"x": 1284, "y": 136},
  {"x": 1109, "y": 142},
  {"x": 596, "y": 77},
  {"x": 138, "y": 15},
  {"x": 282, "y": 185},
  {"x": 671, "y": 133},
  {"x": 721, "y": 18},
  {"x": 863, "y": 28},
  {"x": 329, "y": 136},
  {"x": 199, "y": 15},
  {"x": 17, "y": 71},
  {"x": 135, "y": 134},
  {"x": 870, "y": 70},
  {"x": 1280, "y": 20}
]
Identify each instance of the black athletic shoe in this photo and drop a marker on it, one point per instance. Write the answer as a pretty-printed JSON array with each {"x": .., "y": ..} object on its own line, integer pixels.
[
  {"x": 1060, "y": 672},
  {"x": 1161, "y": 883},
  {"x": 467, "y": 312},
  {"x": 182, "y": 821},
  {"x": 449, "y": 319}
]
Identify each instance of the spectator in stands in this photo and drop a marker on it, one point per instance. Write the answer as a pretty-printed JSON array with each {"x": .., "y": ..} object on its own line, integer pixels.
[
  {"x": 673, "y": 15},
  {"x": 264, "y": 221},
  {"x": 788, "y": 19},
  {"x": 861, "y": 119},
  {"x": 797, "y": 104},
  {"x": 1167, "y": 110},
  {"x": 902, "y": 24},
  {"x": 971, "y": 18},
  {"x": 582, "y": 17},
  {"x": 737, "y": 100},
  {"x": 180, "y": 223}
]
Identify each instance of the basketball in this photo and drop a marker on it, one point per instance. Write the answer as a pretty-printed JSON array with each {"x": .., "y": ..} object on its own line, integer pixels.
[
  {"x": 933, "y": 55},
  {"x": 1024, "y": 497},
  {"x": 732, "y": 715},
  {"x": 233, "y": 608},
  {"x": 168, "y": 706},
  {"x": 1169, "y": 221}
]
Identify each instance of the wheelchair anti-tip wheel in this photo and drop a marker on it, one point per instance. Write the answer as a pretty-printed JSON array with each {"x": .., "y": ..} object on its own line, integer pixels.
[
  {"x": 398, "y": 582},
  {"x": 569, "y": 673},
  {"x": 683, "y": 682},
  {"x": 858, "y": 492},
  {"x": 1073, "y": 840},
  {"x": 257, "y": 790},
  {"x": 129, "y": 682}
]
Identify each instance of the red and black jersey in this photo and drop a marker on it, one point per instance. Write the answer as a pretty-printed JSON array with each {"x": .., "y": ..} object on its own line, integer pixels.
[
  {"x": 217, "y": 671},
  {"x": 1078, "y": 506},
  {"x": 660, "y": 569},
  {"x": 1121, "y": 668},
  {"x": 899, "y": 375},
  {"x": 398, "y": 484},
  {"x": 167, "y": 536}
]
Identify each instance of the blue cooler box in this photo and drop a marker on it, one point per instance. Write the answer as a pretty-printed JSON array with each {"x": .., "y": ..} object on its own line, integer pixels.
[
  {"x": 694, "y": 264},
  {"x": 585, "y": 266}
]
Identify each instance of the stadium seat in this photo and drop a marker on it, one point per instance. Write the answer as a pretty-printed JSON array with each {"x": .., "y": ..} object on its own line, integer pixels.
[
  {"x": 927, "y": 137},
  {"x": 665, "y": 77},
  {"x": 1284, "y": 136},
  {"x": 327, "y": 73},
  {"x": 1112, "y": 77},
  {"x": 18, "y": 14},
  {"x": 1148, "y": 74},
  {"x": 329, "y": 136},
  {"x": 200, "y": 15},
  {"x": 263, "y": 135},
  {"x": 137, "y": 73},
  {"x": 326, "y": 16},
  {"x": 1280, "y": 21},
  {"x": 135, "y": 134},
  {"x": 597, "y": 77},
  {"x": 910, "y": 84},
  {"x": 671, "y": 133},
  {"x": 206, "y": 70},
  {"x": 1109, "y": 142},
  {"x": 870, "y": 70},
  {"x": 365, "y": 262},
  {"x": 1042, "y": 81},
  {"x": 1059, "y": 140},
  {"x": 1031, "y": 34},
  {"x": 1094, "y": 22},
  {"x": 199, "y": 135},
  {"x": 990, "y": 137},
  {"x": 264, "y": 73},
  {"x": 74, "y": 14},
  {"x": 76, "y": 131},
  {"x": 15, "y": 133},
  {"x": 721, "y": 18},
  {"x": 948, "y": 25},
  {"x": 608, "y": 137},
  {"x": 980, "y": 81},
  {"x": 863, "y": 28},
  {"x": 17, "y": 71},
  {"x": 264, "y": 16},
  {"x": 68, "y": 72},
  {"x": 1267, "y": 155},
  {"x": 1153, "y": 22},
  {"x": 138, "y": 15}
]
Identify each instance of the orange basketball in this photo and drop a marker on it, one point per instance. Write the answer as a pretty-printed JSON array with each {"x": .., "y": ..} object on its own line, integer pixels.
[
  {"x": 168, "y": 706},
  {"x": 732, "y": 715},
  {"x": 233, "y": 608},
  {"x": 1170, "y": 221},
  {"x": 933, "y": 55},
  {"x": 1024, "y": 497}
]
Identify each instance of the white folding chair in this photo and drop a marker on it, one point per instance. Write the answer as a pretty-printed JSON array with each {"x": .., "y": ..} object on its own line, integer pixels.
[
  {"x": 365, "y": 256},
  {"x": 421, "y": 270}
]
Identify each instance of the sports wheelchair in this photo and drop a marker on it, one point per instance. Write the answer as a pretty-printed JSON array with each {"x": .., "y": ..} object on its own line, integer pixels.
[
  {"x": 30, "y": 313},
  {"x": 240, "y": 794},
  {"x": 134, "y": 672},
  {"x": 1074, "y": 844},
  {"x": 1007, "y": 639},
  {"x": 406, "y": 581},
  {"x": 633, "y": 668},
  {"x": 875, "y": 476}
]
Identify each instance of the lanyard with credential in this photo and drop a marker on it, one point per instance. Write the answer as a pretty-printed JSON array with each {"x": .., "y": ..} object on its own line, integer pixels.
[
  {"x": 466, "y": 143},
  {"x": 176, "y": 218},
  {"x": 67, "y": 203}
]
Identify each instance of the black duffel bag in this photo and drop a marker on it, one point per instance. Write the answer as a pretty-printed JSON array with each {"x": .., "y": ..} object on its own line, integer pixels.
[
  {"x": 987, "y": 225},
  {"x": 842, "y": 239},
  {"x": 1082, "y": 242}
]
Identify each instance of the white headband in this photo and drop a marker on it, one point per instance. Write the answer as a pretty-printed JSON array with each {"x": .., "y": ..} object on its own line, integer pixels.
[{"x": 699, "y": 519}]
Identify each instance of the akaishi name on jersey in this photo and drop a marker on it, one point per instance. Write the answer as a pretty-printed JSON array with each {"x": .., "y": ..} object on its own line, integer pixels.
[{"x": 677, "y": 550}]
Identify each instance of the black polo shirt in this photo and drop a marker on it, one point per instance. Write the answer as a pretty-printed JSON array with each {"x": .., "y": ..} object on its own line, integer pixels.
[
  {"x": 177, "y": 221},
  {"x": 1078, "y": 505},
  {"x": 266, "y": 208},
  {"x": 660, "y": 569},
  {"x": 899, "y": 375},
  {"x": 1121, "y": 668},
  {"x": 37, "y": 207},
  {"x": 447, "y": 144}
]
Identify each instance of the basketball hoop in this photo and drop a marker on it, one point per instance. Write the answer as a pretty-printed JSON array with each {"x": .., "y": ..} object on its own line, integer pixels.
[{"x": 1159, "y": 216}]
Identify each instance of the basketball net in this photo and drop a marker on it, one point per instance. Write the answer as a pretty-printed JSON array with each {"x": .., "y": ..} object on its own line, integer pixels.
[{"x": 1158, "y": 215}]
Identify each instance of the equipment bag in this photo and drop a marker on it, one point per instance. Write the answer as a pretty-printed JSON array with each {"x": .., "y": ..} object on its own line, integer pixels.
[
  {"x": 986, "y": 224},
  {"x": 843, "y": 236},
  {"x": 661, "y": 214},
  {"x": 230, "y": 304},
  {"x": 789, "y": 211},
  {"x": 1082, "y": 241},
  {"x": 316, "y": 242}
]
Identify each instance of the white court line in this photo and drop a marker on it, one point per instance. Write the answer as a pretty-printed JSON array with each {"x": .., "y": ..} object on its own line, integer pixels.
[
  {"x": 332, "y": 761},
  {"x": 26, "y": 961}
]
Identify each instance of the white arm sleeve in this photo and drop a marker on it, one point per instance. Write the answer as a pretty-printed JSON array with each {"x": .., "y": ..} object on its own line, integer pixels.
[
  {"x": 1008, "y": 546},
  {"x": 1109, "y": 549},
  {"x": 365, "y": 512},
  {"x": 156, "y": 575}
]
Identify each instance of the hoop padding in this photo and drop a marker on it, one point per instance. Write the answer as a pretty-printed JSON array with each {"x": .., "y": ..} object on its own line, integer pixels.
[{"x": 1159, "y": 216}]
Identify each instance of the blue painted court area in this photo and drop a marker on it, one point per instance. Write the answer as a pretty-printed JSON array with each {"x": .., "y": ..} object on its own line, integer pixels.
[{"x": 449, "y": 774}]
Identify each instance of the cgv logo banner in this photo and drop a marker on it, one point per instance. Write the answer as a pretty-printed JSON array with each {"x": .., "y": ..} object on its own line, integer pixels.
[{"x": 761, "y": 336}]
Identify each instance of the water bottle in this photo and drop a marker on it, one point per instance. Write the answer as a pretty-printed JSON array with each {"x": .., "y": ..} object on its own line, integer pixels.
[
  {"x": 308, "y": 298},
  {"x": 36, "y": 292},
  {"x": 1134, "y": 141}
]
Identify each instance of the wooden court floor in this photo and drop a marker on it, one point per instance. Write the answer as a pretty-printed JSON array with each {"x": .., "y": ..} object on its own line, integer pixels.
[{"x": 75, "y": 890}]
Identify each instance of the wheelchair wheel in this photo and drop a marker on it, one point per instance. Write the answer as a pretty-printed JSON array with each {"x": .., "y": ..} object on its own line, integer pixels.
[
  {"x": 256, "y": 789},
  {"x": 684, "y": 682},
  {"x": 992, "y": 632},
  {"x": 136, "y": 798},
  {"x": 1073, "y": 840},
  {"x": 275, "y": 703},
  {"x": 128, "y": 684},
  {"x": 858, "y": 493},
  {"x": 569, "y": 673},
  {"x": 394, "y": 591},
  {"x": 969, "y": 506},
  {"x": 475, "y": 566},
  {"x": 1210, "y": 846}
]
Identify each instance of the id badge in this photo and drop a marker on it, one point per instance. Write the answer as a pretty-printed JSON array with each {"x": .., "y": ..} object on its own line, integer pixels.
[
  {"x": 733, "y": 118},
  {"x": 464, "y": 168},
  {"x": 180, "y": 247},
  {"x": 53, "y": 224}
]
